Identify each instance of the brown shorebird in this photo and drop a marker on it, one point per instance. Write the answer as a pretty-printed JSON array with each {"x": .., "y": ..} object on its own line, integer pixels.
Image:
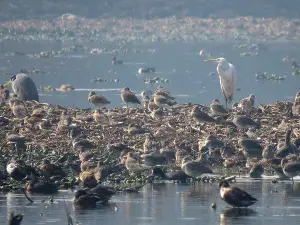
[
  {"x": 217, "y": 108},
  {"x": 129, "y": 97},
  {"x": 100, "y": 117},
  {"x": 194, "y": 169},
  {"x": 97, "y": 100},
  {"x": 251, "y": 148},
  {"x": 243, "y": 122},
  {"x": 200, "y": 116},
  {"x": 296, "y": 105},
  {"x": 290, "y": 168},
  {"x": 287, "y": 148},
  {"x": 246, "y": 104},
  {"x": 163, "y": 101}
]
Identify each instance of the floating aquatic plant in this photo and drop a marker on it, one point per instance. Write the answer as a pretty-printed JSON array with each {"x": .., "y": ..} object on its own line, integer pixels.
[{"x": 266, "y": 76}]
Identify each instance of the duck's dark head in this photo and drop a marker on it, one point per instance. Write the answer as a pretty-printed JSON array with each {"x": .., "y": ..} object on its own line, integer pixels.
[
  {"x": 224, "y": 183},
  {"x": 80, "y": 193},
  {"x": 12, "y": 78},
  {"x": 156, "y": 171},
  {"x": 15, "y": 219}
]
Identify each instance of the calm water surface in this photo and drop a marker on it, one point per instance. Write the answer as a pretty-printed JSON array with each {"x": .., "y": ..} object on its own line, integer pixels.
[
  {"x": 167, "y": 204},
  {"x": 179, "y": 63}
]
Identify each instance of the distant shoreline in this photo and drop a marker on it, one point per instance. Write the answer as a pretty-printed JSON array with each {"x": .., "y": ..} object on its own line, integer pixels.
[{"x": 172, "y": 29}]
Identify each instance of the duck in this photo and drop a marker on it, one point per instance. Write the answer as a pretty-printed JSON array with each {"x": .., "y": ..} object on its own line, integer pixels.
[
  {"x": 235, "y": 196},
  {"x": 114, "y": 61},
  {"x": 15, "y": 219},
  {"x": 146, "y": 70},
  {"x": 177, "y": 175},
  {"x": 88, "y": 179},
  {"x": 18, "y": 170},
  {"x": 85, "y": 199},
  {"x": 194, "y": 169},
  {"x": 41, "y": 187},
  {"x": 50, "y": 169},
  {"x": 66, "y": 88}
]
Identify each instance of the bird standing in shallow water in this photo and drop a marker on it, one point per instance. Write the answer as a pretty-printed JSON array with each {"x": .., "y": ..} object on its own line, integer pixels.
[
  {"x": 129, "y": 97},
  {"x": 235, "y": 196},
  {"x": 227, "y": 75},
  {"x": 290, "y": 169},
  {"x": 97, "y": 100},
  {"x": 15, "y": 219}
]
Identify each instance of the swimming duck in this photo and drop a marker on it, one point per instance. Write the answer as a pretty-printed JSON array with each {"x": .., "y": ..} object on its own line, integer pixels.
[
  {"x": 83, "y": 199},
  {"x": 97, "y": 100},
  {"x": 235, "y": 196},
  {"x": 41, "y": 187},
  {"x": 114, "y": 61},
  {"x": 66, "y": 87},
  {"x": 146, "y": 70},
  {"x": 178, "y": 175},
  {"x": 15, "y": 219}
]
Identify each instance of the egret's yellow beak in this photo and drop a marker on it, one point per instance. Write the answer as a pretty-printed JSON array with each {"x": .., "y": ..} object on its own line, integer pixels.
[
  {"x": 211, "y": 60},
  {"x": 7, "y": 84}
]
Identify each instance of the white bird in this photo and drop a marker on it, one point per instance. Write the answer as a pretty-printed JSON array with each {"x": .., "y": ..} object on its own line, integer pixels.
[{"x": 227, "y": 75}]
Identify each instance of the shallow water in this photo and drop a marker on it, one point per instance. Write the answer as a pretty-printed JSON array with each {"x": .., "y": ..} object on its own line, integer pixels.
[
  {"x": 167, "y": 204},
  {"x": 179, "y": 63}
]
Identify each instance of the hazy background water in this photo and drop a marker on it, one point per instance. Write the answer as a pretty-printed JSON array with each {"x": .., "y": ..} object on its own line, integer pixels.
[
  {"x": 180, "y": 63},
  {"x": 167, "y": 204}
]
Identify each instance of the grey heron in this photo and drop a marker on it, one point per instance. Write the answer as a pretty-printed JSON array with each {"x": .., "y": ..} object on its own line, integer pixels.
[
  {"x": 23, "y": 87},
  {"x": 227, "y": 75}
]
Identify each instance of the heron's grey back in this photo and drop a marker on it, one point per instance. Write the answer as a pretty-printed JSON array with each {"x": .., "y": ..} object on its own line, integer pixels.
[{"x": 25, "y": 88}]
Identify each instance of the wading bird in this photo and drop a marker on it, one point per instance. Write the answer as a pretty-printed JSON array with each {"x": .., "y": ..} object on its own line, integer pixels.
[
  {"x": 23, "y": 87},
  {"x": 129, "y": 97},
  {"x": 227, "y": 76}
]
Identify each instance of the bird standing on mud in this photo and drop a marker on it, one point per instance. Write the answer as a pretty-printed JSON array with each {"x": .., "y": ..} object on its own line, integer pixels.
[
  {"x": 227, "y": 75},
  {"x": 97, "y": 100},
  {"x": 129, "y": 97}
]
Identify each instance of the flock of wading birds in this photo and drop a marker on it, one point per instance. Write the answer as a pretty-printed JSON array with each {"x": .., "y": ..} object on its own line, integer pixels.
[{"x": 286, "y": 154}]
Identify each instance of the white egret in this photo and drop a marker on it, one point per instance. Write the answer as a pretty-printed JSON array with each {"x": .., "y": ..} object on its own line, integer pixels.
[{"x": 227, "y": 76}]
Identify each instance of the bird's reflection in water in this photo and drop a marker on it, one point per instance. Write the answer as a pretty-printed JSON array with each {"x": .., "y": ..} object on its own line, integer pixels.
[{"x": 235, "y": 214}]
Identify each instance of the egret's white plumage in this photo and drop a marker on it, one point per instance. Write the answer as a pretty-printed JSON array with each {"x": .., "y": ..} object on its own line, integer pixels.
[{"x": 227, "y": 75}]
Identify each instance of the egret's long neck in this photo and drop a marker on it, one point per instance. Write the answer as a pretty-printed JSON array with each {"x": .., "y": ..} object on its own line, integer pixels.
[{"x": 224, "y": 66}]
